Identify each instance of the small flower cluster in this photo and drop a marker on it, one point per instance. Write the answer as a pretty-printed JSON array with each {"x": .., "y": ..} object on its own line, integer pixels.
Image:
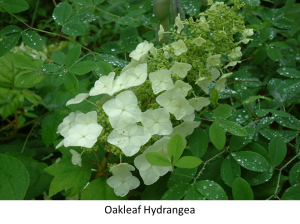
[{"x": 153, "y": 98}]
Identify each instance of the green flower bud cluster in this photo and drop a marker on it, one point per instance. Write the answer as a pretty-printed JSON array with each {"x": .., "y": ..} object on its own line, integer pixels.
[
  {"x": 113, "y": 149},
  {"x": 89, "y": 150},
  {"x": 211, "y": 36}
]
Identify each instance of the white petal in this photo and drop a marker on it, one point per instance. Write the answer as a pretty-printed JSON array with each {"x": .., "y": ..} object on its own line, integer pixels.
[{"x": 78, "y": 99}]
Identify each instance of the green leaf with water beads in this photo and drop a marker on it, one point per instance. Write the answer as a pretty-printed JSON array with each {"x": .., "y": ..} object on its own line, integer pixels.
[
  {"x": 233, "y": 128},
  {"x": 222, "y": 112},
  {"x": 181, "y": 176},
  {"x": 62, "y": 12},
  {"x": 211, "y": 190},
  {"x": 230, "y": 170},
  {"x": 251, "y": 161},
  {"x": 289, "y": 122},
  {"x": 193, "y": 194},
  {"x": 59, "y": 57},
  {"x": 254, "y": 98},
  {"x": 33, "y": 39},
  {"x": 198, "y": 142},
  {"x": 176, "y": 192},
  {"x": 128, "y": 38},
  {"x": 8, "y": 42},
  {"x": 241, "y": 190},
  {"x": 289, "y": 72},
  {"x": 294, "y": 175},
  {"x": 292, "y": 193}
]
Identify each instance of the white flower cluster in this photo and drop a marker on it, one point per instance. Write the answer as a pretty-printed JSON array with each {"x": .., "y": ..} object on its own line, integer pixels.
[{"x": 132, "y": 127}]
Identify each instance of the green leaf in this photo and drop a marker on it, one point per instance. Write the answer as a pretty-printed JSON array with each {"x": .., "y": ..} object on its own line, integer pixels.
[
  {"x": 62, "y": 12},
  {"x": 198, "y": 142},
  {"x": 287, "y": 135},
  {"x": 222, "y": 112},
  {"x": 14, "y": 178},
  {"x": 252, "y": 2},
  {"x": 181, "y": 176},
  {"x": 214, "y": 96},
  {"x": 71, "y": 83},
  {"x": 57, "y": 79},
  {"x": 233, "y": 128},
  {"x": 39, "y": 179},
  {"x": 251, "y": 161},
  {"x": 28, "y": 79},
  {"x": 293, "y": 12},
  {"x": 8, "y": 42},
  {"x": 274, "y": 53},
  {"x": 15, "y": 6},
  {"x": 254, "y": 98},
  {"x": 73, "y": 29},
  {"x": 32, "y": 97},
  {"x": 286, "y": 92},
  {"x": 292, "y": 193},
  {"x": 277, "y": 151},
  {"x": 289, "y": 122},
  {"x": 237, "y": 142},
  {"x": 128, "y": 38},
  {"x": 188, "y": 162},
  {"x": 67, "y": 175},
  {"x": 217, "y": 135},
  {"x": 261, "y": 112},
  {"x": 103, "y": 68},
  {"x": 193, "y": 194},
  {"x": 257, "y": 178},
  {"x": 289, "y": 72},
  {"x": 230, "y": 170},
  {"x": 10, "y": 101},
  {"x": 82, "y": 68},
  {"x": 10, "y": 29},
  {"x": 294, "y": 175},
  {"x": 59, "y": 57},
  {"x": 176, "y": 192},
  {"x": 72, "y": 56},
  {"x": 264, "y": 122},
  {"x": 50, "y": 124},
  {"x": 279, "y": 113},
  {"x": 157, "y": 159},
  {"x": 175, "y": 148},
  {"x": 241, "y": 190},
  {"x": 99, "y": 190},
  {"x": 33, "y": 39},
  {"x": 211, "y": 190},
  {"x": 156, "y": 190}
]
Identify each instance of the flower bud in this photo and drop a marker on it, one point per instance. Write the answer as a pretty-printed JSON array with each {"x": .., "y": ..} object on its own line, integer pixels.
[{"x": 161, "y": 9}]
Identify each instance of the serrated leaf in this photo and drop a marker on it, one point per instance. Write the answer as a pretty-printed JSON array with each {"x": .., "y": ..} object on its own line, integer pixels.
[
  {"x": 241, "y": 190},
  {"x": 99, "y": 190},
  {"x": 67, "y": 175},
  {"x": 14, "y": 178}
]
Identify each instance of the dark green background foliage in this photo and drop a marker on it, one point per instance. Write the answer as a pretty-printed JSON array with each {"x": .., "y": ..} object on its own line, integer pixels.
[{"x": 248, "y": 139}]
